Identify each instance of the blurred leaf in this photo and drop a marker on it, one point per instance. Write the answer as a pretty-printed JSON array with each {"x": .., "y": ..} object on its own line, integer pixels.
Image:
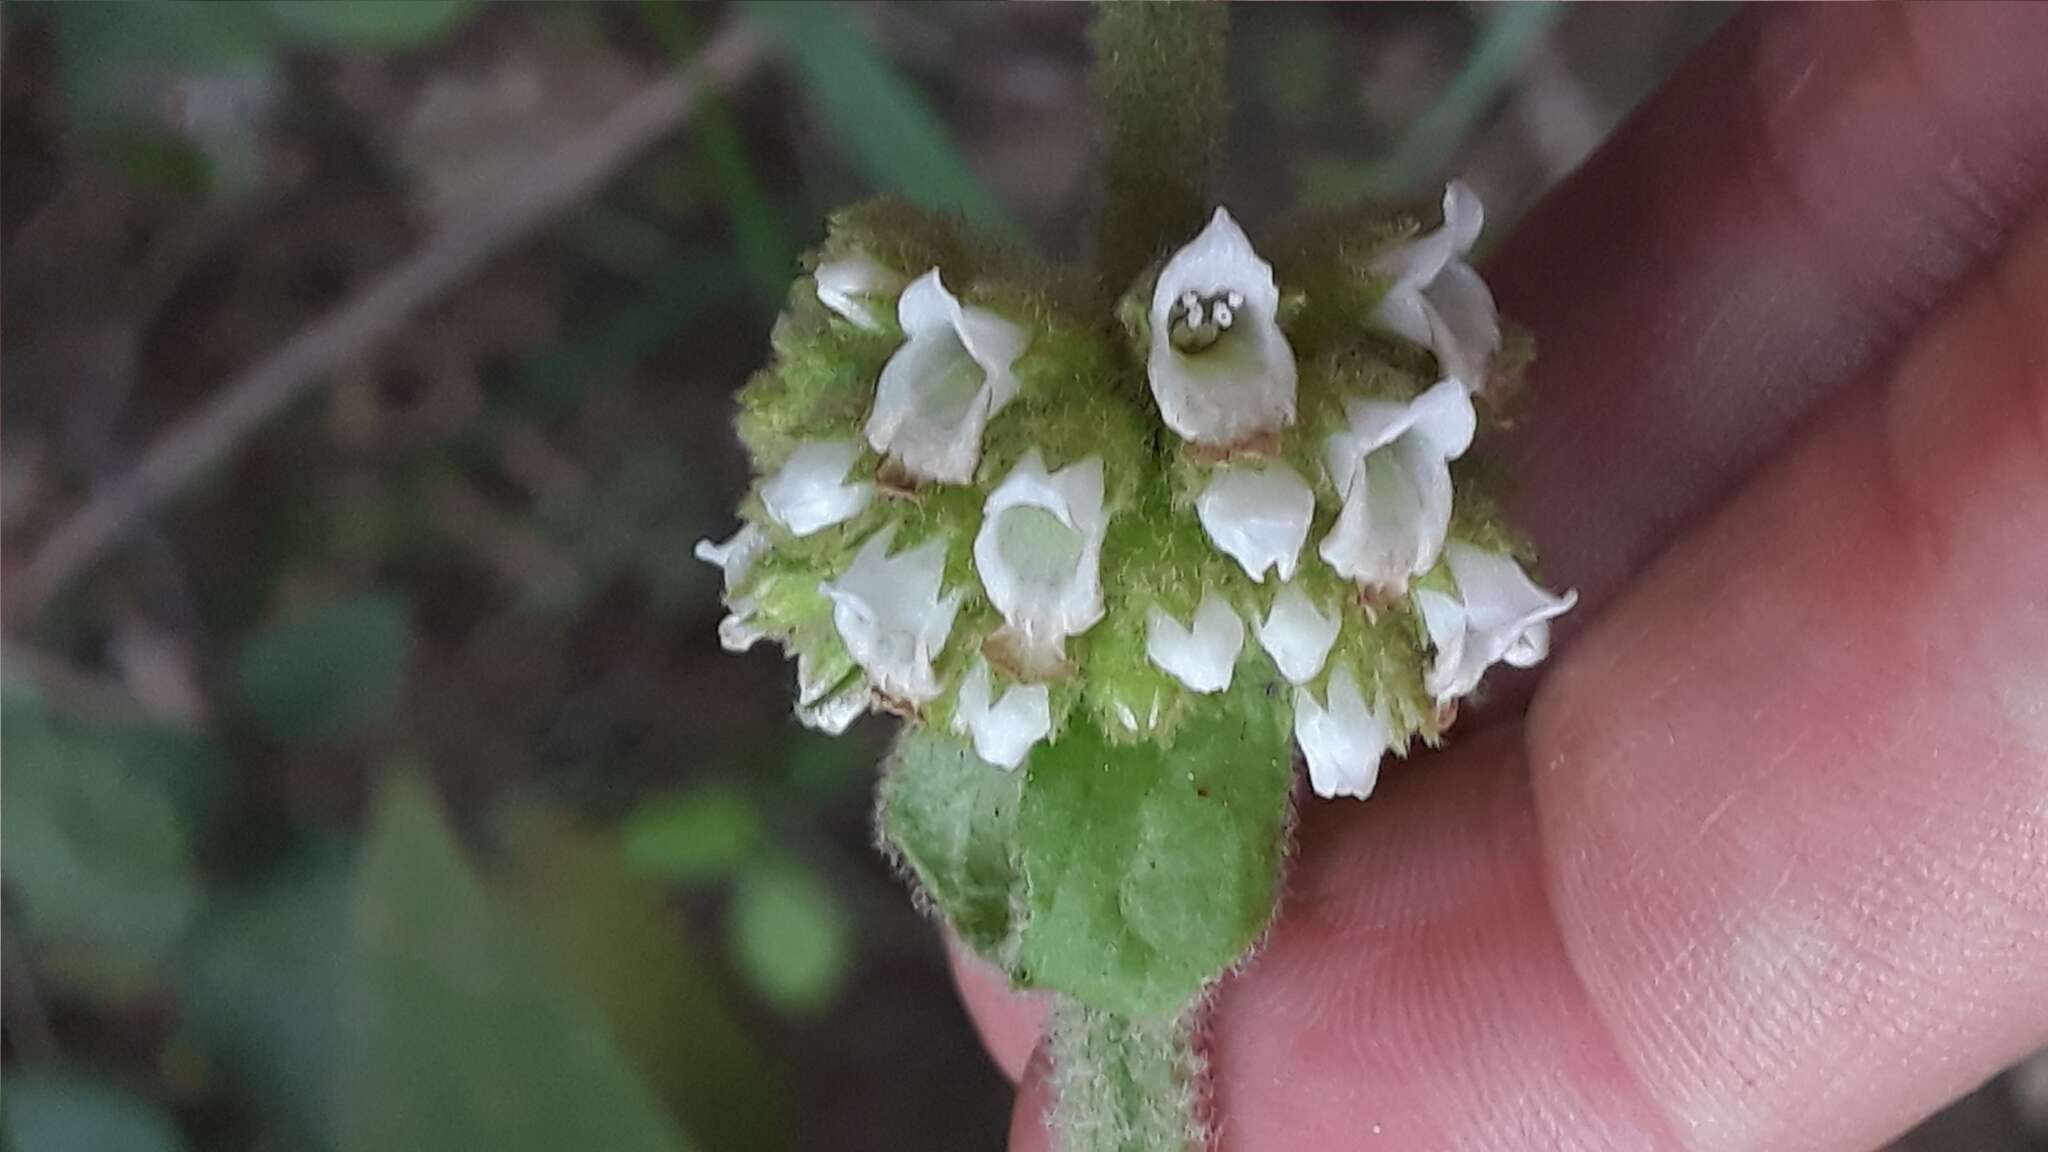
[
  {"x": 788, "y": 937},
  {"x": 456, "y": 1034},
  {"x": 692, "y": 837},
  {"x": 263, "y": 981},
  {"x": 96, "y": 832},
  {"x": 70, "y": 1112},
  {"x": 619, "y": 945},
  {"x": 895, "y": 138},
  {"x": 1148, "y": 872},
  {"x": 365, "y": 24},
  {"x": 325, "y": 671},
  {"x": 953, "y": 816}
]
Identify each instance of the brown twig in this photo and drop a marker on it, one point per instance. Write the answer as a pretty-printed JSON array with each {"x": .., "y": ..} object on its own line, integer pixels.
[{"x": 523, "y": 206}]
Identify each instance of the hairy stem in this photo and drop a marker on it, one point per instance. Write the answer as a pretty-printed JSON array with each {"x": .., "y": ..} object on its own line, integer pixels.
[
  {"x": 1160, "y": 92},
  {"x": 1126, "y": 1085}
]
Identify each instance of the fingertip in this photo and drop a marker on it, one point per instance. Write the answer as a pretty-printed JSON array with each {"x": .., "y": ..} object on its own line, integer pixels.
[
  {"x": 1031, "y": 1116},
  {"x": 1009, "y": 1021}
]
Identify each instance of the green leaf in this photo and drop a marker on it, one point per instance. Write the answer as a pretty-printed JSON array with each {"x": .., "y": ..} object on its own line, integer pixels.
[
  {"x": 365, "y": 24},
  {"x": 621, "y": 948},
  {"x": 68, "y": 1112},
  {"x": 788, "y": 937},
  {"x": 261, "y": 997},
  {"x": 692, "y": 837},
  {"x": 1149, "y": 872},
  {"x": 325, "y": 671},
  {"x": 887, "y": 128},
  {"x": 953, "y": 817},
  {"x": 96, "y": 832},
  {"x": 456, "y": 1032}
]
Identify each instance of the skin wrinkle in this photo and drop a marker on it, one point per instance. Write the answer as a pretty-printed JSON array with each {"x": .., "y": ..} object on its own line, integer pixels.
[{"x": 1879, "y": 937}]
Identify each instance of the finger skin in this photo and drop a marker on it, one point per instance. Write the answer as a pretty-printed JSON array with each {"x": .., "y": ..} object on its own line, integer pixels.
[
  {"x": 1770, "y": 228},
  {"x": 1010, "y": 1034},
  {"x": 1794, "y": 789}
]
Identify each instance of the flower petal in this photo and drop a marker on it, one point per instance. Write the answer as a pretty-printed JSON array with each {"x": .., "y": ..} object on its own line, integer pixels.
[
  {"x": 1241, "y": 384},
  {"x": 810, "y": 493},
  {"x": 1464, "y": 326},
  {"x": 1039, "y": 554},
  {"x": 890, "y": 614},
  {"x": 836, "y": 713},
  {"x": 938, "y": 392},
  {"x": 855, "y": 287},
  {"x": 1005, "y": 731},
  {"x": 1342, "y": 740},
  {"x": 1392, "y": 464},
  {"x": 737, "y": 632},
  {"x": 1258, "y": 515},
  {"x": 1436, "y": 299},
  {"x": 1298, "y": 635},
  {"x": 1201, "y": 657},
  {"x": 1500, "y": 614}
]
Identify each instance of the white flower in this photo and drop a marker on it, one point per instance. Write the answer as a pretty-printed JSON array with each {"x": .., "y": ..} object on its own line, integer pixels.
[
  {"x": 1342, "y": 740},
  {"x": 1004, "y": 731},
  {"x": 1298, "y": 635},
  {"x": 1258, "y": 515},
  {"x": 1039, "y": 553},
  {"x": 1498, "y": 614},
  {"x": 829, "y": 699},
  {"x": 1201, "y": 657},
  {"x": 1392, "y": 463},
  {"x": 737, "y": 632},
  {"x": 889, "y": 612},
  {"x": 809, "y": 492},
  {"x": 1220, "y": 367},
  {"x": 938, "y": 392},
  {"x": 853, "y": 286},
  {"x": 1436, "y": 299}
]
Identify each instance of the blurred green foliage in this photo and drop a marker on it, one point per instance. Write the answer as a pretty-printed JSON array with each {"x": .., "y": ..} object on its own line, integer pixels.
[{"x": 325, "y": 671}]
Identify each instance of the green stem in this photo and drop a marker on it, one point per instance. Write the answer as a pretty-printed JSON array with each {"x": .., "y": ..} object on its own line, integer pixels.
[
  {"x": 1160, "y": 90},
  {"x": 1125, "y": 1085}
]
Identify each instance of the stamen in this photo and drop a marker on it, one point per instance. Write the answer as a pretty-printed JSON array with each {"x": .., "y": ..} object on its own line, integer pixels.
[{"x": 1199, "y": 320}]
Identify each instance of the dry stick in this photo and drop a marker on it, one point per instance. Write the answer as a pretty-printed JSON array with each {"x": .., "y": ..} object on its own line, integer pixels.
[{"x": 528, "y": 202}]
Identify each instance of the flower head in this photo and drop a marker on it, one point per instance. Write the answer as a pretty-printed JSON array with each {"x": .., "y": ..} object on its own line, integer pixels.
[
  {"x": 809, "y": 492},
  {"x": 939, "y": 390},
  {"x": 1340, "y": 737},
  {"x": 1221, "y": 369},
  {"x": 1039, "y": 553},
  {"x": 1258, "y": 514},
  {"x": 738, "y": 631},
  {"x": 1498, "y": 614},
  {"x": 1298, "y": 635},
  {"x": 1436, "y": 298},
  {"x": 1202, "y": 656},
  {"x": 1003, "y": 730},
  {"x": 855, "y": 287},
  {"x": 1392, "y": 464},
  {"x": 891, "y": 615}
]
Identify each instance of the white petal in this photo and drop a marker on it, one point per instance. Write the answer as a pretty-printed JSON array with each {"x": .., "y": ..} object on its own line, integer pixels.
[
  {"x": 810, "y": 493},
  {"x": 1005, "y": 731},
  {"x": 890, "y": 614},
  {"x": 736, "y": 556},
  {"x": 1392, "y": 465},
  {"x": 1201, "y": 657},
  {"x": 1342, "y": 740},
  {"x": 938, "y": 392},
  {"x": 1298, "y": 635},
  {"x": 1464, "y": 325},
  {"x": 1243, "y": 384},
  {"x": 1039, "y": 553},
  {"x": 836, "y": 713},
  {"x": 1258, "y": 515},
  {"x": 1500, "y": 614},
  {"x": 1436, "y": 299},
  {"x": 853, "y": 286},
  {"x": 737, "y": 632}
]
